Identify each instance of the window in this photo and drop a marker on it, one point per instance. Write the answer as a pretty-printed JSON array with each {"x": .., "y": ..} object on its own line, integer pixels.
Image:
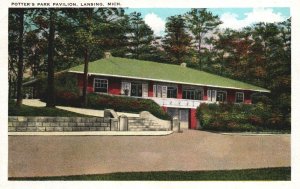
[
  {"x": 239, "y": 97},
  {"x": 221, "y": 96},
  {"x": 136, "y": 89},
  {"x": 162, "y": 91},
  {"x": 193, "y": 94},
  {"x": 172, "y": 92},
  {"x": 100, "y": 85}
]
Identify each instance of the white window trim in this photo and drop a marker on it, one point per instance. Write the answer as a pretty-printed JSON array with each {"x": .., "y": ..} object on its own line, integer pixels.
[
  {"x": 236, "y": 93},
  {"x": 95, "y": 83},
  {"x": 164, "y": 85}
]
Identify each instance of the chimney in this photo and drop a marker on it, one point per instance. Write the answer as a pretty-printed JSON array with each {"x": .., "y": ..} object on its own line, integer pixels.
[
  {"x": 107, "y": 54},
  {"x": 183, "y": 64}
]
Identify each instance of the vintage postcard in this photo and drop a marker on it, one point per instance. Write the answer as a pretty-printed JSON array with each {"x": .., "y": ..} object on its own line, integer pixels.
[{"x": 149, "y": 91}]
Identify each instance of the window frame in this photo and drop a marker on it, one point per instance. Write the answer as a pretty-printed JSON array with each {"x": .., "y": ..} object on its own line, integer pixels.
[
  {"x": 217, "y": 91},
  {"x": 236, "y": 96},
  {"x": 100, "y": 79},
  {"x": 136, "y": 83},
  {"x": 174, "y": 88},
  {"x": 195, "y": 91}
]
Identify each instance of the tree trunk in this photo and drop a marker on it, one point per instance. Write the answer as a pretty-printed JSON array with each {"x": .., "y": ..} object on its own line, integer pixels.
[
  {"x": 85, "y": 77},
  {"x": 199, "y": 51},
  {"x": 20, "y": 61},
  {"x": 86, "y": 62},
  {"x": 50, "y": 86}
]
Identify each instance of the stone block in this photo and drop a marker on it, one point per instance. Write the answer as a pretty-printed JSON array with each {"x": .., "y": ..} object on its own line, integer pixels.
[
  {"x": 63, "y": 124},
  {"x": 31, "y": 124},
  {"x": 75, "y": 128},
  {"x": 60, "y": 119},
  {"x": 60, "y": 129},
  {"x": 96, "y": 124},
  {"x": 102, "y": 128},
  {"x": 12, "y": 118},
  {"x": 11, "y": 129},
  {"x": 67, "y": 119},
  {"x": 92, "y": 119},
  {"x": 31, "y": 119},
  {"x": 38, "y": 124},
  {"x": 40, "y": 129},
  {"x": 31, "y": 129},
  {"x": 49, "y": 129},
  {"x": 41, "y": 119},
  {"x": 54, "y": 124},
  {"x": 84, "y": 128},
  {"x": 104, "y": 124},
  {"x": 20, "y": 124},
  {"x": 72, "y": 124},
  {"x": 67, "y": 128},
  {"x": 78, "y": 119},
  {"x": 88, "y": 124},
  {"x": 51, "y": 119},
  {"x": 106, "y": 120},
  {"x": 93, "y": 128},
  {"x": 22, "y": 118},
  {"x": 80, "y": 124},
  {"x": 22, "y": 129},
  {"x": 99, "y": 119},
  {"x": 10, "y": 123},
  {"x": 46, "y": 124}
]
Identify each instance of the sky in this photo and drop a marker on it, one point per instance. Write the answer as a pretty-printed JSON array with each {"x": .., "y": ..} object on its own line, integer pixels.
[{"x": 235, "y": 18}]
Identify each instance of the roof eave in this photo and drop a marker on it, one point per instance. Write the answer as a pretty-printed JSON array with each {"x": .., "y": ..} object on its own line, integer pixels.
[{"x": 169, "y": 81}]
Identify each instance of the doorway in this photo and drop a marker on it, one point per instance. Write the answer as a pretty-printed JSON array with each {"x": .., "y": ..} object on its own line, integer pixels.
[{"x": 182, "y": 115}]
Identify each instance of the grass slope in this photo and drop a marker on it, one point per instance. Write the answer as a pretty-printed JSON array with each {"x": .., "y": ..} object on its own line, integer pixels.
[
  {"x": 158, "y": 71},
  {"x": 39, "y": 111},
  {"x": 266, "y": 174}
]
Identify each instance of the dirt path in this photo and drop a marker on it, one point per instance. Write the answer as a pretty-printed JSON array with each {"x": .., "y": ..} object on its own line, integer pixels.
[{"x": 192, "y": 150}]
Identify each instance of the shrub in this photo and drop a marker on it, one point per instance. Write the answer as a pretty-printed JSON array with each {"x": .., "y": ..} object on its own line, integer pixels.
[
  {"x": 118, "y": 103},
  {"x": 239, "y": 117}
]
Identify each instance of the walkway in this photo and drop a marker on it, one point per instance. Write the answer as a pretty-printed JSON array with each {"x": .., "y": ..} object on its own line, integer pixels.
[
  {"x": 85, "y": 111},
  {"x": 31, "y": 156}
]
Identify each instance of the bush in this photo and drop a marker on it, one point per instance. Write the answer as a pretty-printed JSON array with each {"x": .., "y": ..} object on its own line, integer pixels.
[
  {"x": 240, "y": 117},
  {"x": 126, "y": 104},
  {"x": 118, "y": 103}
]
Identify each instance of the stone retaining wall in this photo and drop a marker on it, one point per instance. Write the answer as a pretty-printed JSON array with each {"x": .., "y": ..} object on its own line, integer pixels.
[{"x": 40, "y": 124}]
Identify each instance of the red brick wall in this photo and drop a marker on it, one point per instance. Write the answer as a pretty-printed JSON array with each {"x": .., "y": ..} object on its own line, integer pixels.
[
  {"x": 247, "y": 97},
  {"x": 90, "y": 87},
  {"x": 231, "y": 96},
  {"x": 150, "y": 89},
  {"x": 179, "y": 94},
  {"x": 193, "y": 119},
  {"x": 114, "y": 86}
]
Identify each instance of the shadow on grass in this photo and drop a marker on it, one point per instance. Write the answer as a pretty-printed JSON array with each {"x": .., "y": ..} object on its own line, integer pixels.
[{"x": 264, "y": 174}]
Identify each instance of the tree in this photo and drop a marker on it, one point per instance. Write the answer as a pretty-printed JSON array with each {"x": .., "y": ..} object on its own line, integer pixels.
[
  {"x": 140, "y": 36},
  {"x": 50, "y": 68},
  {"x": 17, "y": 30},
  {"x": 93, "y": 29},
  {"x": 177, "y": 41},
  {"x": 201, "y": 24}
]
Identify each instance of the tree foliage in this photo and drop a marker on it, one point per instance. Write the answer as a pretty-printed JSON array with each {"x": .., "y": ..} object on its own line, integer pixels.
[{"x": 177, "y": 41}]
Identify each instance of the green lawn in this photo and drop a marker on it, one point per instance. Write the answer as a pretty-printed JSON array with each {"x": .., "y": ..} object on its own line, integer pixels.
[
  {"x": 39, "y": 111},
  {"x": 124, "y": 67},
  {"x": 264, "y": 174}
]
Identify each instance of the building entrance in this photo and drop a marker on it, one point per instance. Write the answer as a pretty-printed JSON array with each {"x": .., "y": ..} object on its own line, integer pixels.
[{"x": 182, "y": 115}]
